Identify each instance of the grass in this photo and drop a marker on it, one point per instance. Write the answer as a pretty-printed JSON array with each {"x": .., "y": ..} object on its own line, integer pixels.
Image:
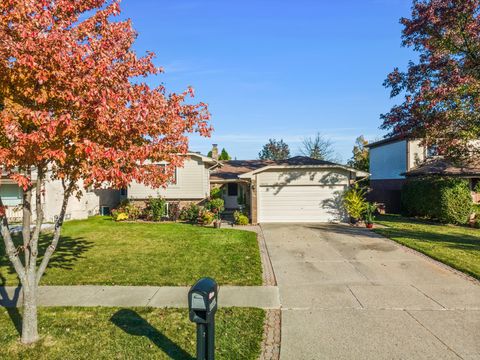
[
  {"x": 456, "y": 246},
  {"x": 134, "y": 333},
  {"x": 99, "y": 251}
]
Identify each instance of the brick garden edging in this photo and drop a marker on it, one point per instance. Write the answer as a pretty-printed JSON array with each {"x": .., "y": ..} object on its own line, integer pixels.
[
  {"x": 271, "y": 335},
  {"x": 270, "y": 348}
]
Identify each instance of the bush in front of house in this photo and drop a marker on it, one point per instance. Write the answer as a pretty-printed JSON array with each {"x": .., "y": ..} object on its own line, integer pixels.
[
  {"x": 190, "y": 213},
  {"x": 216, "y": 205},
  {"x": 126, "y": 211},
  {"x": 174, "y": 210},
  {"x": 207, "y": 217},
  {"x": 447, "y": 200},
  {"x": 354, "y": 202},
  {"x": 156, "y": 209},
  {"x": 216, "y": 193},
  {"x": 240, "y": 218},
  {"x": 477, "y": 187}
]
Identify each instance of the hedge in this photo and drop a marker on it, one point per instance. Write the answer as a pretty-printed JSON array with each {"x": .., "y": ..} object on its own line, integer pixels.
[{"x": 447, "y": 200}]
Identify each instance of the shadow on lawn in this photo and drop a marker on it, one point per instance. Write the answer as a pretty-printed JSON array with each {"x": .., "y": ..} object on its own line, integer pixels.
[
  {"x": 133, "y": 324},
  {"x": 10, "y": 304},
  {"x": 68, "y": 251}
]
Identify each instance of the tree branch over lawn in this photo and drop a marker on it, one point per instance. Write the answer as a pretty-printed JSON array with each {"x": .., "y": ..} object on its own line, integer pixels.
[{"x": 73, "y": 109}]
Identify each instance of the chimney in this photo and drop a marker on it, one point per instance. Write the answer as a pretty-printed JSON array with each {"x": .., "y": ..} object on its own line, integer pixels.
[{"x": 215, "y": 152}]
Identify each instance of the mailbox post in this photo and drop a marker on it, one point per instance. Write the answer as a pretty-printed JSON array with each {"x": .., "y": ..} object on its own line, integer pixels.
[{"x": 202, "y": 305}]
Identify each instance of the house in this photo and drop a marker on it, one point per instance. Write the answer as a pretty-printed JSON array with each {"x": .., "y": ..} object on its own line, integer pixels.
[
  {"x": 299, "y": 189},
  {"x": 191, "y": 183},
  {"x": 394, "y": 159},
  {"x": 92, "y": 202}
]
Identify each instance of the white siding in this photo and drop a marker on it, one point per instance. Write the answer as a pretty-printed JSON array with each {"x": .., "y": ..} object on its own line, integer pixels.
[
  {"x": 388, "y": 161},
  {"x": 191, "y": 183},
  {"x": 76, "y": 209},
  {"x": 301, "y": 195},
  {"x": 307, "y": 177}
]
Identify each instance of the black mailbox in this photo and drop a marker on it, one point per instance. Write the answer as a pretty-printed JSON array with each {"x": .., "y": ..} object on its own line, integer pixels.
[{"x": 202, "y": 306}]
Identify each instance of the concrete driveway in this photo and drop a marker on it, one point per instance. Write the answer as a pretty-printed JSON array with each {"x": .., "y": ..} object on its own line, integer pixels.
[{"x": 350, "y": 294}]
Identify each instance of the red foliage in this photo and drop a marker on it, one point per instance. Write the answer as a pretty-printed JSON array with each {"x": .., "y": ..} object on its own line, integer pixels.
[
  {"x": 71, "y": 97},
  {"x": 442, "y": 90}
]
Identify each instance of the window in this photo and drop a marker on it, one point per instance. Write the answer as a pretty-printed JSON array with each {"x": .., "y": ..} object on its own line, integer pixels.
[
  {"x": 233, "y": 189},
  {"x": 173, "y": 179},
  {"x": 432, "y": 151},
  {"x": 123, "y": 192}
]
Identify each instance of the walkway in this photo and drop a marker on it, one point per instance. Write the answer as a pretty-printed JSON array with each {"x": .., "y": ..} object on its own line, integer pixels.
[{"x": 265, "y": 297}]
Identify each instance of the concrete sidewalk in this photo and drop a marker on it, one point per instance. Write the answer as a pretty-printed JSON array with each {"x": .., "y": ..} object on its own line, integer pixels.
[{"x": 265, "y": 297}]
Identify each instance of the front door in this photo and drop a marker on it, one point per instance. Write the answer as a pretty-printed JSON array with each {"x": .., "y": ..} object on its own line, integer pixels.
[{"x": 231, "y": 196}]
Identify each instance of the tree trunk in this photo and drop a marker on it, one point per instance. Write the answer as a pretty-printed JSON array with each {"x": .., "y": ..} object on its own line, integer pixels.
[{"x": 29, "y": 321}]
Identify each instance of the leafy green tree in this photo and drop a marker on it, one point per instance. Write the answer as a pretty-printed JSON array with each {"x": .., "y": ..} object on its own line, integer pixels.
[
  {"x": 274, "y": 150},
  {"x": 224, "y": 155},
  {"x": 361, "y": 157}
]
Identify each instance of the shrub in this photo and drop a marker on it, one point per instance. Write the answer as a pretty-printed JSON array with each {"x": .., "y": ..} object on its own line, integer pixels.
[
  {"x": 156, "y": 209},
  {"x": 447, "y": 200},
  {"x": 215, "y": 205},
  {"x": 240, "y": 218},
  {"x": 369, "y": 213},
  {"x": 208, "y": 217},
  {"x": 190, "y": 213},
  {"x": 477, "y": 187},
  {"x": 119, "y": 216},
  {"x": 130, "y": 210},
  {"x": 476, "y": 210},
  {"x": 174, "y": 210},
  {"x": 354, "y": 202},
  {"x": 216, "y": 193}
]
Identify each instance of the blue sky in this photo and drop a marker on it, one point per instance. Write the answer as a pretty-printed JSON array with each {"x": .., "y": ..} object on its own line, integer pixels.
[{"x": 277, "y": 68}]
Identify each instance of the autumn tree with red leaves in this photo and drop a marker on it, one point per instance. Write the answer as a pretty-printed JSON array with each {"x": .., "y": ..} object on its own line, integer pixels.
[
  {"x": 72, "y": 108},
  {"x": 442, "y": 89}
]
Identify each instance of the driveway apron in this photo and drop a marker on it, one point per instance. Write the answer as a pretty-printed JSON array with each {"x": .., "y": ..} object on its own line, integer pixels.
[{"x": 348, "y": 293}]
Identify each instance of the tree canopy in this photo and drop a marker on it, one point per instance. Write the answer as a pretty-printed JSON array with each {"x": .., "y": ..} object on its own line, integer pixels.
[
  {"x": 74, "y": 108},
  {"x": 361, "y": 156},
  {"x": 274, "y": 150},
  {"x": 442, "y": 89}
]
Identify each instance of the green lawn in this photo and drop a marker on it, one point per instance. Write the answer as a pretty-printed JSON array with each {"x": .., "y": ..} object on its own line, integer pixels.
[
  {"x": 99, "y": 251},
  {"x": 456, "y": 246},
  {"x": 134, "y": 333}
]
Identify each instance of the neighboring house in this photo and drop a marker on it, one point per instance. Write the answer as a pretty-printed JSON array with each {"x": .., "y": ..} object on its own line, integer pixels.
[
  {"x": 90, "y": 203},
  {"x": 191, "y": 182},
  {"x": 299, "y": 189},
  {"x": 394, "y": 159}
]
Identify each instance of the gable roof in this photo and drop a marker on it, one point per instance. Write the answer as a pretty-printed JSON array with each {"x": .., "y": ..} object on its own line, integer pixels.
[
  {"x": 442, "y": 167},
  {"x": 237, "y": 169}
]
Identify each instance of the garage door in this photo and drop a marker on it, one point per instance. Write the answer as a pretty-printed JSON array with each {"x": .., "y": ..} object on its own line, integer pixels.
[{"x": 291, "y": 203}]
